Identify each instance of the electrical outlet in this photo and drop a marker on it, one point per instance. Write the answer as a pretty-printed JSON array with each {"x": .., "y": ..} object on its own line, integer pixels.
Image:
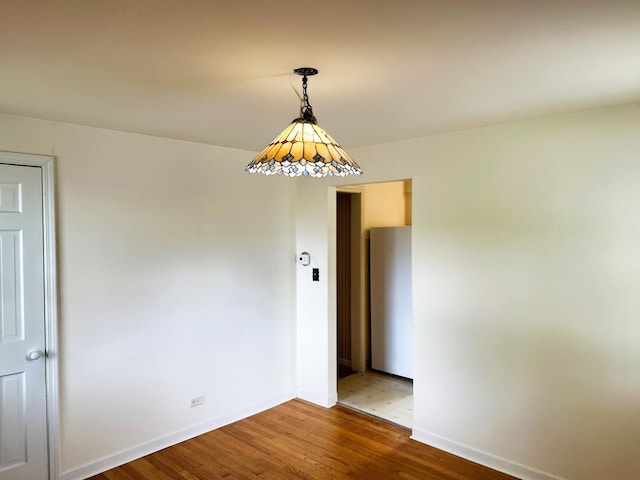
[{"x": 197, "y": 401}]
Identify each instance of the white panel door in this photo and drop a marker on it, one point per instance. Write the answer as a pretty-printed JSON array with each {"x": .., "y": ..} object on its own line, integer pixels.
[{"x": 23, "y": 415}]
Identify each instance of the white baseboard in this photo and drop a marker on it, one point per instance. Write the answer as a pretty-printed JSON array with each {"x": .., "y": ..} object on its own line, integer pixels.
[
  {"x": 125, "y": 456},
  {"x": 326, "y": 402},
  {"x": 492, "y": 461},
  {"x": 488, "y": 460}
]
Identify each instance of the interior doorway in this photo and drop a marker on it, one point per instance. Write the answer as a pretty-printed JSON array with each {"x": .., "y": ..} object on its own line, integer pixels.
[
  {"x": 372, "y": 387},
  {"x": 344, "y": 273}
]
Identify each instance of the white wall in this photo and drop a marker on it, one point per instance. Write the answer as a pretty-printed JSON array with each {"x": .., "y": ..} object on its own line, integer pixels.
[
  {"x": 177, "y": 279},
  {"x": 526, "y": 267},
  {"x": 526, "y": 273}
]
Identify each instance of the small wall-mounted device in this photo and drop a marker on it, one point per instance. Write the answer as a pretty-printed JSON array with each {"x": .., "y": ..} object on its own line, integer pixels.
[{"x": 304, "y": 259}]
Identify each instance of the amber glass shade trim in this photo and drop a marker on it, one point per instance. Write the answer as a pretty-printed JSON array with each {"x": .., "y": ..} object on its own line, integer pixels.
[{"x": 304, "y": 149}]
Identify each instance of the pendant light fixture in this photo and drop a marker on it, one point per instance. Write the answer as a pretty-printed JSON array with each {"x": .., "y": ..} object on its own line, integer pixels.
[{"x": 303, "y": 148}]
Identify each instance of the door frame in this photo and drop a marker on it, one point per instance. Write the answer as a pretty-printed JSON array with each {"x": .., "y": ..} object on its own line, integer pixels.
[
  {"x": 46, "y": 165},
  {"x": 358, "y": 293}
]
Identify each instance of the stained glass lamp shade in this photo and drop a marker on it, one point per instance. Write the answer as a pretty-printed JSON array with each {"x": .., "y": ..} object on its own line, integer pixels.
[{"x": 303, "y": 148}]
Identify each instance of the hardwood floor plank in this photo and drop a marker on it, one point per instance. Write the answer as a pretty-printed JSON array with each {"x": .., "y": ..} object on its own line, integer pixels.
[{"x": 301, "y": 441}]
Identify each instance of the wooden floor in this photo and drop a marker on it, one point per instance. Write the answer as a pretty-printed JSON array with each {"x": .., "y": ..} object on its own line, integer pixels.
[{"x": 298, "y": 440}]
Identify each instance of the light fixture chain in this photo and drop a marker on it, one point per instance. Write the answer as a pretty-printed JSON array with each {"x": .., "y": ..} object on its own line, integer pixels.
[
  {"x": 306, "y": 111},
  {"x": 304, "y": 91}
]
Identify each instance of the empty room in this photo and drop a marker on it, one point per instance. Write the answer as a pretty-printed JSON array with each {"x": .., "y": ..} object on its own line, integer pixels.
[{"x": 170, "y": 175}]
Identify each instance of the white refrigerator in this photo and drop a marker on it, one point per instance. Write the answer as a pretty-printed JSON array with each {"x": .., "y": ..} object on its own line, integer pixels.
[{"x": 391, "y": 310}]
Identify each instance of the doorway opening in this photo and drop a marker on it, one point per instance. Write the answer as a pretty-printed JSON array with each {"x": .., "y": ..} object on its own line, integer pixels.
[{"x": 373, "y": 301}]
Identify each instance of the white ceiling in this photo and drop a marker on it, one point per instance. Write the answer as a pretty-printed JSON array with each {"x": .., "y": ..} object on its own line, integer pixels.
[{"x": 218, "y": 72}]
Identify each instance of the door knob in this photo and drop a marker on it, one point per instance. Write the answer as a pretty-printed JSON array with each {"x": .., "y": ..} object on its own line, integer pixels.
[{"x": 34, "y": 354}]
